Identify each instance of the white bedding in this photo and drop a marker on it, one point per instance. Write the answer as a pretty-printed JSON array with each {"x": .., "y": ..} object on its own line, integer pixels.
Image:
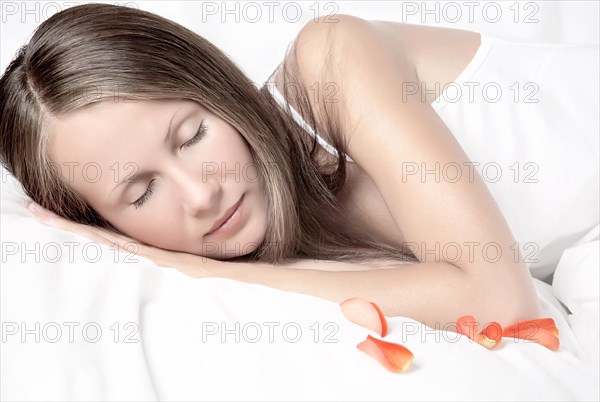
[
  {"x": 169, "y": 343},
  {"x": 157, "y": 340}
]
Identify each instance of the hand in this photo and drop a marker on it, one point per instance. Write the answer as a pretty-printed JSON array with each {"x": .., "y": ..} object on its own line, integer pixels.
[{"x": 190, "y": 264}]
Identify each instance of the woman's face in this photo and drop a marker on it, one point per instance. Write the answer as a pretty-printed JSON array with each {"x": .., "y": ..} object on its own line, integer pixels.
[{"x": 110, "y": 153}]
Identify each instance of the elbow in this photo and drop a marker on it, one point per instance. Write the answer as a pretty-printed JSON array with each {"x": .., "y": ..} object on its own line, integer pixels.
[
  {"x": 507, "y": 301},
  {"x": 505, "y": 312},
  {"x": 525, "y": 311}
]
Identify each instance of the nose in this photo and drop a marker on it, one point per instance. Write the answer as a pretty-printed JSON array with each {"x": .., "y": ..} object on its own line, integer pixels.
[{"x": 199, "y": 191}]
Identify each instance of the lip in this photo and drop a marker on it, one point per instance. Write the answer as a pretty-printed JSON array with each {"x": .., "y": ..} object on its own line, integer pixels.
[{"x": 229, "y": 221}]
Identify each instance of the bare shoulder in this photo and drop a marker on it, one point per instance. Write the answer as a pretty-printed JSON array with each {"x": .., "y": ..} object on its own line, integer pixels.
[
  {"x": 416, "y": 42},
  {"x": 431, "y": 56},
  {"x": 426, "y": 55}
]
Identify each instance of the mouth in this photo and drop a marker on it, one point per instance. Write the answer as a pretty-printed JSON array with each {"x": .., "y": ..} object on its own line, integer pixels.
[{"x": 229, "y": 220}]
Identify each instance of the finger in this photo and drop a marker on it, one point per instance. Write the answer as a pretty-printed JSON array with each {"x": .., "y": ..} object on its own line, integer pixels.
[
  {"x": 82, "y": 230},
  {"x": 41, "y": 213},
  {"x": 97, "y": 234}
]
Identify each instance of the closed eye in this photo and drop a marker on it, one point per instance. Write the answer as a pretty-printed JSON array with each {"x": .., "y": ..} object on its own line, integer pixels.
[
  {"x": 197, "y": 137},
  {"x": 140, "y": 201},
  {"x": 149, "y": 191}
]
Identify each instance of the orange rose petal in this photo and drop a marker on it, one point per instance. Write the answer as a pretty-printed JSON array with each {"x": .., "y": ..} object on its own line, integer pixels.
[
  {"x": 532, "y": 325},
  {"x": 491, "y": 336},
  {"x": 365, "y": 314},
  {"x": 542, "y": 331},
  {"x": 547, "y": 339},
  {"x": 548, "y": 324},
  {"x": 384, "y": 326},
  {"x": 467, "y": 325},
  {"x": 394, "y": 357}
]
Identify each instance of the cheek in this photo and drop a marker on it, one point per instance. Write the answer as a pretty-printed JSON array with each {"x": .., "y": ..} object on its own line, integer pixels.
[
  {"x": 242, "y": 156},
  {"x": 164, "y": 229}
]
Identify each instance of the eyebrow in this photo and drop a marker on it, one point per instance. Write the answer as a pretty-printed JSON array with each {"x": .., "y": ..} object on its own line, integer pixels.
[{"x": 140, "y": 174}]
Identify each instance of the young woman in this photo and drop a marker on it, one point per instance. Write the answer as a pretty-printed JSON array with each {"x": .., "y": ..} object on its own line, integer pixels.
[{"x": 133, "y": 131}]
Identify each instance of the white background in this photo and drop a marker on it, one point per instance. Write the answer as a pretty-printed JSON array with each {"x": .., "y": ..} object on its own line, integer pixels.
[{"x": 255, "y": 34}]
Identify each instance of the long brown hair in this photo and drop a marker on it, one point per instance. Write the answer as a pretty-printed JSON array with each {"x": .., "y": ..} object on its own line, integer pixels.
[{"x": 86, "y": 53}]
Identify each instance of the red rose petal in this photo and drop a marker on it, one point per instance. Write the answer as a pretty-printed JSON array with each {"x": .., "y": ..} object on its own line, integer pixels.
[{"x": 394, "y": 357}]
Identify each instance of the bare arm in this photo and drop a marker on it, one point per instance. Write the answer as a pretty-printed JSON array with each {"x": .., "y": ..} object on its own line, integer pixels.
[
  {"x": 434, "y": 293},
  {"x": 386, "y": 131}
]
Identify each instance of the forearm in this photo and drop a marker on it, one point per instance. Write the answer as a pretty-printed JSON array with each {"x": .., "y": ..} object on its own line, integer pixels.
[{"x": 433, "y": 293}]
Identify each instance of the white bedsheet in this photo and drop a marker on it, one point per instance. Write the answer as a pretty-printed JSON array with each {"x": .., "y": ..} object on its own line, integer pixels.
[{"x": 170, "y": 344}]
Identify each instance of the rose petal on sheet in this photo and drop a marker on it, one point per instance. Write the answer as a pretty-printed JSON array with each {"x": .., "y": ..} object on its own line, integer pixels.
[
  {"x": 544, "y": 323},
  {"x": 541, "y": 330},
  {"x": 547, "y": 339},
  {"x": 366, "y": 314},
  {"x": 548, "y": 324},
  {"x": 467, "y": 325},
  {"x": 489, "y": 338},
  {"x": 543, "y": 337},
  {"x": 394, "y": 357},
  {"x": 384, "y": 326}
]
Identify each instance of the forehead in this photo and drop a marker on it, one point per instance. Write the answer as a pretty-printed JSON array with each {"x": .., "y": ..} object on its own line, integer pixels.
[
  {"x": 88, "y": 144},
  {"x": 105, "y": 124},
  {"x": 111, "y": 115}
]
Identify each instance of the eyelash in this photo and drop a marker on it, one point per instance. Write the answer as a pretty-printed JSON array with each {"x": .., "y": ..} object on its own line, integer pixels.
[
  {"x": 140, "y": 201},
  {"x": 150, "y": 190},
  {"x": 197, "y": 137}
]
